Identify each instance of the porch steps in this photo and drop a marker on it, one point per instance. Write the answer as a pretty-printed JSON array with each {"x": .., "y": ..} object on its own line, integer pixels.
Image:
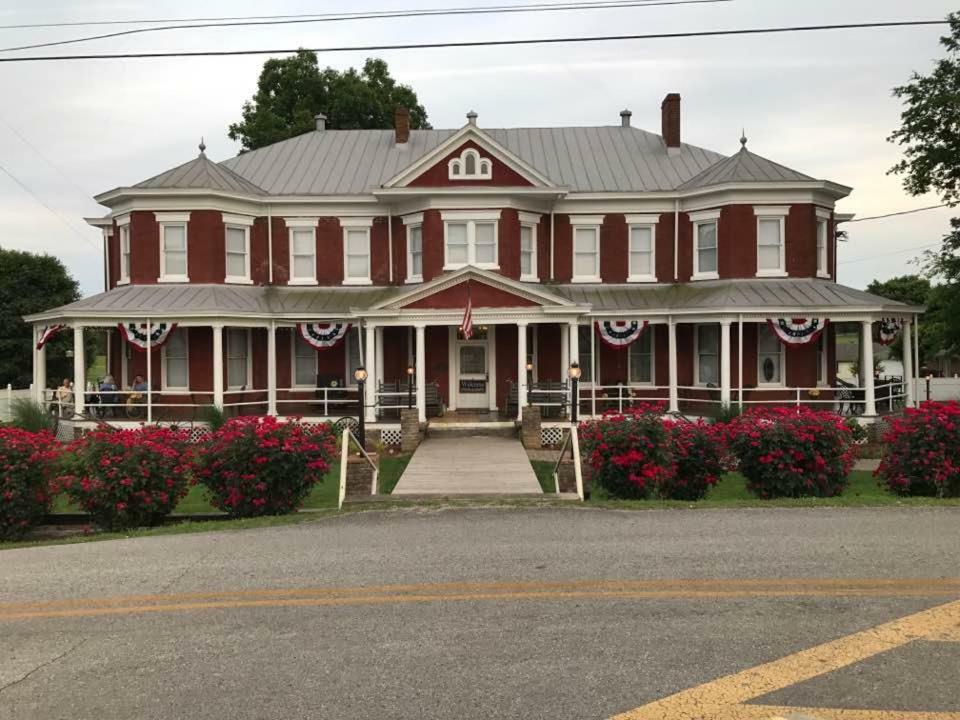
[{"x": 501, "y": 429}]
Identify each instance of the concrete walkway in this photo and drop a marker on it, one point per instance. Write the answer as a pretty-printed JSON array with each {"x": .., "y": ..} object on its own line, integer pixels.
[{"x": 469, "y": 466}]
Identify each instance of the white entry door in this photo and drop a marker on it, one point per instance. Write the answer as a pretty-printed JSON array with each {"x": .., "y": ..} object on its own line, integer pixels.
[{"x": 473, "y": 378}]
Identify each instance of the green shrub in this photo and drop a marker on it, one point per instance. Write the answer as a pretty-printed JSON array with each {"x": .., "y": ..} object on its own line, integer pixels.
[
  {"x": 923, "y": 453},
  {"x": 31, "y": 416},
  {"x": 25, "y": 472}
]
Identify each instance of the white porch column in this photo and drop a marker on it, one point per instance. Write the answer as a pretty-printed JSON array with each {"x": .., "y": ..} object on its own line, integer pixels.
[
  {"x": 740, "y": 363},
  {"x": 370, "y": 362},
  {"x": 272, "y": 368},
  {"x": 908, "y": 362},
  {"x": 39, "y": 362},
  {"x": 674, "y": 404},
  {"x": 79, "y": 371},
  {"x": 725, "y": 363},
  {"x": 572, "y": 331},
  {"x": 149, "y": 373},
  {"x": 421, "y": 365},
  {"x": 521, "y": 368},
  {"x": 218, "y": 365},
  {"x": 869, "y": 398},
  {"x": 564, "y": 352},
  {"x": 916, "y": 356},
  {"x": 378, "y": 345}
]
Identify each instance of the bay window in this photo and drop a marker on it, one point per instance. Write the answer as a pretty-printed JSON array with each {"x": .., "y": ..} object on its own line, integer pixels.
[
  {"x": 173, "y": 246},
  {"x": 237, "y": 245},
  {"x": 707, "y": 352},
  {"x": 414, "y": 224},
  {"x": 586, "y": 247},
  {"x": 771, "y": 244},
  {"x": 642, "y": 248},
  {"x": 303, "y": 250},
  {"x": 770, "y": 358},
  {"x": 356, "y": 250},
  {"x": 705, "y": 244},
  {"x": 528, "y": 246},
  {"x": 470, "y": 238}
]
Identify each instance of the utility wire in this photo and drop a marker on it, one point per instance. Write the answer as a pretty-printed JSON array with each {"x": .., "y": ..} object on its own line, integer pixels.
[
  {"x": 888, "y": 254},
  {"x": 902, "y": 212},
  {"x": 478, "y": 43},
  {"x": 438, "y": 12}
]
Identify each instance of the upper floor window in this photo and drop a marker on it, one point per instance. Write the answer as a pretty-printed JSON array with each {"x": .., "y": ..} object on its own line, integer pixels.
[
  {"x": 771, "y": 243},
  {"x": 470, "y": 238},
  {"x": 470, "y": 166},
  {"x": 528, "y": 246},
  {"x": 123, "y": 227},
  {"x": 237, "y": 245},
  {"x": 173, "y": 246},
  {"x": 823, "y": 229},
  {"x": 705, "y": 244},
  {"x": 176, "y": 363},
  {"x": 586, "y": 247},
  {"x": 770, "y": 358},
  {"x": 414, "y": 224},
  {"x": 640, "y": 359},
  {"x": 642, "y": 229},
  {"x": 303, "y": 250},
  {"x": 707, "y": 351},
  {"x": 238, "y": 358},
  {"x": 356, "y": 250}
]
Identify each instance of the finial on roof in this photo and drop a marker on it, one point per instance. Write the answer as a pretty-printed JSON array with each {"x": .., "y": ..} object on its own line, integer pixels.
[
  {"x": 743, "y": 138},
  {"x": 472, "y": 117},
  {"x": 203, "y": 146}
]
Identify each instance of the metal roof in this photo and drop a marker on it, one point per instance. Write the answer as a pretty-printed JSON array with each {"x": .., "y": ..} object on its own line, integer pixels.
[
  {"x": 583, "y": 159},
  {"x": 173, "y": 301},
  {"x": 745, "y": 166},
  {"x": 201, "y": 173}
]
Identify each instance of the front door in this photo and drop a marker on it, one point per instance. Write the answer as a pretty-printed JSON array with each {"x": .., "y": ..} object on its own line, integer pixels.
[{"x": 473, "y": 380}]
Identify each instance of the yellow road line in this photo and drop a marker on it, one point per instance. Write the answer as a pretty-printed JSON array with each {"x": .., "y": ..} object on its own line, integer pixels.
[
  {"x": 723, "y": 699},
  {"x": 769, "y": 712}
]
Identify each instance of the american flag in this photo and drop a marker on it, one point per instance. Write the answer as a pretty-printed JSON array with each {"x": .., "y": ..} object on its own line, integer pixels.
[{"x": 466, "y": 327}]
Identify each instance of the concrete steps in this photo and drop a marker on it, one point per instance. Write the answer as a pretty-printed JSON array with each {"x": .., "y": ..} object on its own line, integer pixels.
[{"x": 505, "y": 429}]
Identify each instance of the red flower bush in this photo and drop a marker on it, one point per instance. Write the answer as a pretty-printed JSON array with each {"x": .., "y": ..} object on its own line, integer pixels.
[
  {"x": 793, "y": 452},
  {"x": 923, "y": 454},
  {"x": 25, "y": 494},
  {"x": 127, "y": 478},
  {"x": 259, "y": 466},
  {"x": 640, "y": 455}
]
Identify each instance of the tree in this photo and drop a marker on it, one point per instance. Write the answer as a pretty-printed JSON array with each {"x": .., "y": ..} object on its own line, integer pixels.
[
  {"x": 930, "y": 136},
  {"x": 917, "y": 290},
  {"x": 293, "y": 90},
  {"x": 30, "y": 283},
  {"x": 910, "y": 289}
]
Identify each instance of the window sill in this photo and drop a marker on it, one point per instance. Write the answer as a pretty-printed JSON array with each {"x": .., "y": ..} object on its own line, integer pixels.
[
  {"x": 771, "y": 386},
  {"x": 641, "y": 279},
  {"x": 125, "y": 281},
  {"x": 529, "y": 278},
  {"x": 822, "y": 274},
  {"x": 771, "y": 273},
  {"x": 358, "y": 281},
  {"x": 413, "y": 280},
  {"x": 706, "y": 276},
  {"x": 302, "y": 281},
  {"x": 479, "y": 266},
  {"x": 237, "y": 281},
  {"x": 586, "y": 280},
  {"x": 173, "y": 279},
  {"x": 175, "y": 389}
]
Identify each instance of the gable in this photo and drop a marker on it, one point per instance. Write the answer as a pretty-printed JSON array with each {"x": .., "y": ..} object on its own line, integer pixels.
[
  {"x": 438, "y": 174},
  {"x": 481, "y": 295}
]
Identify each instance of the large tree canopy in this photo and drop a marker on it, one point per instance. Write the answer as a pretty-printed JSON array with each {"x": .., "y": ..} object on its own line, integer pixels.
[
  {"x": 917, "y": 290},
  {"x": 293, "y": 90},
  {"x": 28, "y": 284}
]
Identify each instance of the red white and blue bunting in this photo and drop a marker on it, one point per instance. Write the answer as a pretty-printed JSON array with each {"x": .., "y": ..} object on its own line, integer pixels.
[
  {"x": 620, "y": 333},
  {"x": 797, "y": 331},
  {"x": 889, "y": 330},
  {"x": 47, "y": 335},
  {"x": 136, "y": 334},
  {"x": 322, "y": 335}
]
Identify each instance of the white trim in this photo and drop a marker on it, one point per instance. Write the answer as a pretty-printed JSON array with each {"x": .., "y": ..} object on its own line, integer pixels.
[
  {"x": 124, "y": 239},
  {"x": 164, "y": 385},
  {"x": 165, "y": 220},
  {"x": 640, "y": 221},
  {"x": 824, "y": 213},
  {"x": 696, "y": 353},
  {"x": 531, "y": 218},
  {"x": 347, "y": 229},
  {"x": 356, "y": 222},
  {"x": 765, "y": 328},
  {"x": 595, "y": 227},
  {"x": 291, "y": 279},
  {"x": 122, "y": 219},
  {"x": 482, "y": 167},
  {"x": 534, "y": 275},
  {"x": 411, "y": 227},
  {"x": 244, "y": 279},
  {"x": 711, "y": 217},
  {"x": 823, "y": 254},
  {"x": 465, "y": 215},
  {"x": 248, "y": 384},
  {"x": 172, "y": 217},
  {"x": 470, "y": 220},
  {"x": 414, "y": 219},
  {"x": 301, "y": 222},
  {"x": 232, "y": 219},
  {"x": 780, "y": 218},
  {"x": 586, "y": 220},
  {"x": 704, "y": 215},
  {"x": 771, "y": 210}
]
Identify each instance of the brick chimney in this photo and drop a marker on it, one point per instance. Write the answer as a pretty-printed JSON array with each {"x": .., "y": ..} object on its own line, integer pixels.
[
  {"x": 401, "y": 122},
  {"x": 670, "y": 122}
]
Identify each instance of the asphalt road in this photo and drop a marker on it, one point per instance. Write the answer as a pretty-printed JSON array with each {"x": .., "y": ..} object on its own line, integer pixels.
[{"x": 491, "y": 613}]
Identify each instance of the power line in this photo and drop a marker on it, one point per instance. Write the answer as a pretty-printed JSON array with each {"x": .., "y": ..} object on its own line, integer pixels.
[
  {"x": 344, "y": 17},
  {"x": 902, "y": 212},
  {"x": 895, "y": 252},
  {"x": 478, "y": 43}
]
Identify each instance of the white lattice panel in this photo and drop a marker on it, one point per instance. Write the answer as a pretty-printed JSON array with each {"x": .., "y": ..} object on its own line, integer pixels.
[
  {"x": 391, "y": 436},
  {"x": 551, "y": 435}
]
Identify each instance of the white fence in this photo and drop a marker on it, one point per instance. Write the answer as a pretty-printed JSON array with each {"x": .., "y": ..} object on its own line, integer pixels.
[
  {"x": 940, "y": 389},
  {"x": 7, "y": 396}
]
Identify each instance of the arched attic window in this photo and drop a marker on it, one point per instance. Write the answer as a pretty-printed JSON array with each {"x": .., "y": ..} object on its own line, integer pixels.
[{"x": 470, "y": 166}]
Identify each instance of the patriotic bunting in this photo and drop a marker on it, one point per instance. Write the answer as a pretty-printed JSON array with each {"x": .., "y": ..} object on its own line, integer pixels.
[
  {"x": 889, "y": 330},
  {"x": 466, "y": 327},
  {"x": 620, "y": 333},
  {"x": 797, "y": 331},
  {"x": 136, "y": 334},
  {"x": 47, "y": 335},
  {"x": 322, "y": 335}
]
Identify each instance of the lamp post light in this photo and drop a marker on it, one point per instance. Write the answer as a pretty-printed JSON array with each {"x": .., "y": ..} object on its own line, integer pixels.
[
  {"x": 360, "y": 375},
  {"x": 575, "y": 372},
  {"x": 410, "y": 370}
]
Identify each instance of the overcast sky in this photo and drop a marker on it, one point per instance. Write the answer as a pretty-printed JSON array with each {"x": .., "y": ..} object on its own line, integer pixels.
[{"x": 817, "y": 102}]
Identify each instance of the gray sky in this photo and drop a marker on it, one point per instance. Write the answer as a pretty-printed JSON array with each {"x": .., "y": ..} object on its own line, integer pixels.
[{"x": 817, "y": 102}]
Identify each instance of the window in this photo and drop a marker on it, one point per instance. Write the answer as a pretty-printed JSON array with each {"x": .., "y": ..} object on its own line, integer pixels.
[
  {"x": 642, "y": 229},
  {"x": 470, "y": 166},
  {"x": 173, "y": 246},
  {"x": 707, "y": 343},
  {"x": 124, "y": 253},
  {"x": 176, "y": 366},
  {"x": 414, "y": 225},
  {"x": 238, "y": 358},
  {"x": 532, "y": 350},
  {"x": 237, "y": 242},
  {"x": 470, "y": 238},
  {"x": 584, "y": 337},
  {"x": 822, "y": 359},
  {"x": 303, "y": 250},
  {"x": 528, "y": 246},
  {"x": 769, "y": 357},
  {"x": 640, "y": 359},
  {"x": 705, "y": 244},
  {"x": 352, "y": 354},
  {"x": 304, "y": 363},
  {"x": 823, "y": 229},
  {"x": 586, "y": 247},
  {"x": 356, "y": 250},
  {"x": 770, "y": 240}
]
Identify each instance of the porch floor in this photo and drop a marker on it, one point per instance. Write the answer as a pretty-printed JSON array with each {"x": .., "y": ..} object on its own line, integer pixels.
[{"x": 469, "y": 466}]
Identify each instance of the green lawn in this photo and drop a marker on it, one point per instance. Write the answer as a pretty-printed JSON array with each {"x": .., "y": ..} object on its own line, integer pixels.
[{"x": 391, "y": 468}]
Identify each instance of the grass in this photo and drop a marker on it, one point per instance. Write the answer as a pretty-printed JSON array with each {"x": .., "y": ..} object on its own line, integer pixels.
[{"x": 391, "y": 468}]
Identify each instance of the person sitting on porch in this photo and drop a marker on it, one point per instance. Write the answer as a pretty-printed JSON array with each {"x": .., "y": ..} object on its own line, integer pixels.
[
  {"x": 139, "y": 384},
  {"x": 64, "y": 397},
  {"x": 108, "y": 394},
  {"x": 135, "y": 399}
]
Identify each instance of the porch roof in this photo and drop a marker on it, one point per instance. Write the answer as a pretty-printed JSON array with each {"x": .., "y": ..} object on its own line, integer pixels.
[{"x": 227, "y": 302}]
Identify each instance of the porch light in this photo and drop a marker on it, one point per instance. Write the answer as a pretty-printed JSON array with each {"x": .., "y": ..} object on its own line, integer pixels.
[
  {"x": 575, "y": 371},
  {"x": 410, "y": 370},
  {"x": 360, "y": 374},
  {"x": 529, "y": 367}
]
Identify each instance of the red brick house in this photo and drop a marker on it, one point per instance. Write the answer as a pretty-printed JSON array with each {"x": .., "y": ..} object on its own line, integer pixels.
[{"x": 548, "y": 231}]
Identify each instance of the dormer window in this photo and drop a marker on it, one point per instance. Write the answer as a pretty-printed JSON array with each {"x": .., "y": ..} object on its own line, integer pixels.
[{"x": 470, "y": 166}]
